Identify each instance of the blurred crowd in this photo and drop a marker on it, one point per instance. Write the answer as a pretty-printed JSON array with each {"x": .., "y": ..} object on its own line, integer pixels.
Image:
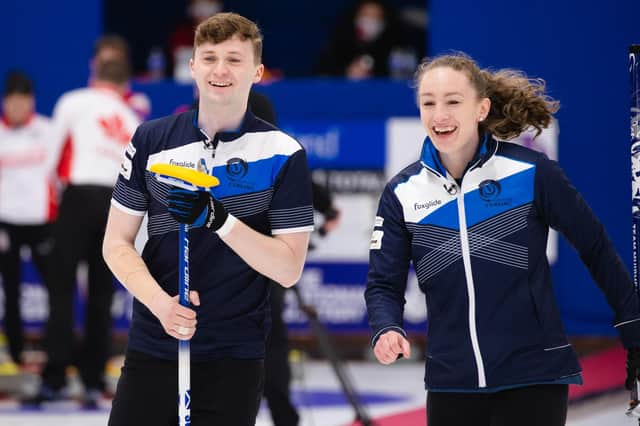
[{"x": 372, "y": 39}]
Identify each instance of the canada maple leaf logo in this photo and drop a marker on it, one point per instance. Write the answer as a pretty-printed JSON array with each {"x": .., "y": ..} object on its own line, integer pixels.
[{"x": 113, "y": 127}]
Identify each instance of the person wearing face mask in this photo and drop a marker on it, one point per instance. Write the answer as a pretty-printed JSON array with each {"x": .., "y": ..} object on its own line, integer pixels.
[
  {"x": 28, "y": 200},
  {"x": 473, "y": 215},
  {"x": 362, "y": 44}
]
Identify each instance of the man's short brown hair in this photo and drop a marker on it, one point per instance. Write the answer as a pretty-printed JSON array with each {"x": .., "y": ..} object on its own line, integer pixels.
[
  {"x": 112, "y": 41},
  {"x": 223, "y": 26}
]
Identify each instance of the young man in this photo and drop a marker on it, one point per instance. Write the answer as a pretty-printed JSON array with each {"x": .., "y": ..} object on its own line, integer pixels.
[
  {"x": 27, "y": 199},
  {"x": 251, "y": 228}
]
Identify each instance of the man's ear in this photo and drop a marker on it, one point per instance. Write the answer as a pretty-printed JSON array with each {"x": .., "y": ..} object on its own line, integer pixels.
[{"x": 259, "y": 73}]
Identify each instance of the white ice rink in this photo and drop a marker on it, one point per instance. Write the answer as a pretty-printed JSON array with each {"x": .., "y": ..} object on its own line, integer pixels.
[{"x": 397, "y": 388}]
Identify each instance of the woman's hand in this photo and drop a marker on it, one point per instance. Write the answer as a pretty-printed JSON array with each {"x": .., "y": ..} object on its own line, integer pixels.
[{"x": 390, "y": 346}]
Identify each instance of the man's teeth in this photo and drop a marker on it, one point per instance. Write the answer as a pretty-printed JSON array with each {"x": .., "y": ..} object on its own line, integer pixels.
[
  {"x": 440, "y": 130},
  {"x": 213, "y": 83}
]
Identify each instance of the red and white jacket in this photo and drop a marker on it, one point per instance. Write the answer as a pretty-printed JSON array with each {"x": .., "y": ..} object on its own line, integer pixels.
[
  {"x": 28, "y": 157},
  {"x": 96, "y": 124}
]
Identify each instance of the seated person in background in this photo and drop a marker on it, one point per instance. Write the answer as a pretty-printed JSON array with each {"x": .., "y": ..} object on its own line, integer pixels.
[
  {"x": 370, "y": 42},
  {"x": 180, "y": 46},
  {"x": 180, "y": 43}
]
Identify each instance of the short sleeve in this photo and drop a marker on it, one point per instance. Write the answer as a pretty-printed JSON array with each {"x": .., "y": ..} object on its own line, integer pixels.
[
  {"x": 130, "y": 193},
  {"x": 291, "y": 208}
]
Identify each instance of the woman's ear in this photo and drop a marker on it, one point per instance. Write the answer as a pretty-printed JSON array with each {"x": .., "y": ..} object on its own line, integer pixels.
[{"x": 485, "y": 107}]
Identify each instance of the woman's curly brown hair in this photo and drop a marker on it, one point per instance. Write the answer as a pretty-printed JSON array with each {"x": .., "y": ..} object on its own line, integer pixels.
[{"x": 517, "y": 102}]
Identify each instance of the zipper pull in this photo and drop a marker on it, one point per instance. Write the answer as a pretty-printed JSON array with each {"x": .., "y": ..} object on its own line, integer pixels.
[{"x": 451, "y": 188}]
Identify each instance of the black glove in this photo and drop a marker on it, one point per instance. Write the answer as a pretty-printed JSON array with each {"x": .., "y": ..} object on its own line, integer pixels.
[
  {"x": 196, "y": 208},
  {"x": 633, "y": 367}
]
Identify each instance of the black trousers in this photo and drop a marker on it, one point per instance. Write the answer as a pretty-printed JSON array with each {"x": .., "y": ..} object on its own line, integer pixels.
[
  {"x": 277, "y": 369},
  {"x": 223, "y": 392},
  {"x": 37, "y": 238},
  {"x": 77, "y": 235},
  {"x": 537, "y": 405}
]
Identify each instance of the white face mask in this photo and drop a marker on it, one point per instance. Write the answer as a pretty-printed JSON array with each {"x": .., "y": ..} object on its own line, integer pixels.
[
  {"x": 369, "y": 28},
  {"x": 201, "y": 10}
]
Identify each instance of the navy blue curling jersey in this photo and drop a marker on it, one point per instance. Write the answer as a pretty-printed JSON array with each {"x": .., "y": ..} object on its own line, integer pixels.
[
  {"x": 478, "y": 248},
  {"x": 264, "y": 182}
]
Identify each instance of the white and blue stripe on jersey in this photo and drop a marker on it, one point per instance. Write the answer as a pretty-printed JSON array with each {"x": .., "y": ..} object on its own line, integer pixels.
[
  {"x": 478, "y": 247},
  {"x": 264, "y": 181}
]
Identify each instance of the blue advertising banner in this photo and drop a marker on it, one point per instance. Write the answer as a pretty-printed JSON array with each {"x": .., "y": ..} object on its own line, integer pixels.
[
  {"x": 335, "y": 290},
  {"x": 341, "y": 144}
]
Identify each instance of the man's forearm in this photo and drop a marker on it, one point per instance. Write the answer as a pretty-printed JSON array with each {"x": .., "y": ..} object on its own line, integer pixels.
[{"x": 129, "y": 268}]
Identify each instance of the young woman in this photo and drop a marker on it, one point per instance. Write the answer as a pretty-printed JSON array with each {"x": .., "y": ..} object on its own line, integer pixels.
[{"x": 473, "y": 216}]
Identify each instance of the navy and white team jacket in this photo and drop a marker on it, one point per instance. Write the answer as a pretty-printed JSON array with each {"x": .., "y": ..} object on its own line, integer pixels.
[
  {"x": 479, "y": 252},
  {"x": 264, "y": 182}
]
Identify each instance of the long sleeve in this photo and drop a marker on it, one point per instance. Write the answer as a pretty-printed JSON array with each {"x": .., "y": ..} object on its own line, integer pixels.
[
  {"x": 564, "y": 209},
  {"x": 388, "y": 267}
]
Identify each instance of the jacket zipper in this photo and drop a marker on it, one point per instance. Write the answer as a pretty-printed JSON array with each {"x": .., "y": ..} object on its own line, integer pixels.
[{"x": 466, "y": 259}]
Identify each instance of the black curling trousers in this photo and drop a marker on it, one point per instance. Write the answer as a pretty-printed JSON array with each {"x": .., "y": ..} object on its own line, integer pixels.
[
  {"x": 37, "y": 238},
  {"x": 536, "y": 405},
  {"x": 77, "y": 235}
]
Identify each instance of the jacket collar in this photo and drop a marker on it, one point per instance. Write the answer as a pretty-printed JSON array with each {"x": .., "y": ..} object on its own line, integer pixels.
[
  {"x": 226, "y": 136},
  {"x": 430, "y": 159}
]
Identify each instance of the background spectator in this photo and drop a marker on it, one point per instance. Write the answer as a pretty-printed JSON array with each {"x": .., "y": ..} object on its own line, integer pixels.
[
  {"x": 180, "y": 46},
  {"x": 370, "y": 42}
]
